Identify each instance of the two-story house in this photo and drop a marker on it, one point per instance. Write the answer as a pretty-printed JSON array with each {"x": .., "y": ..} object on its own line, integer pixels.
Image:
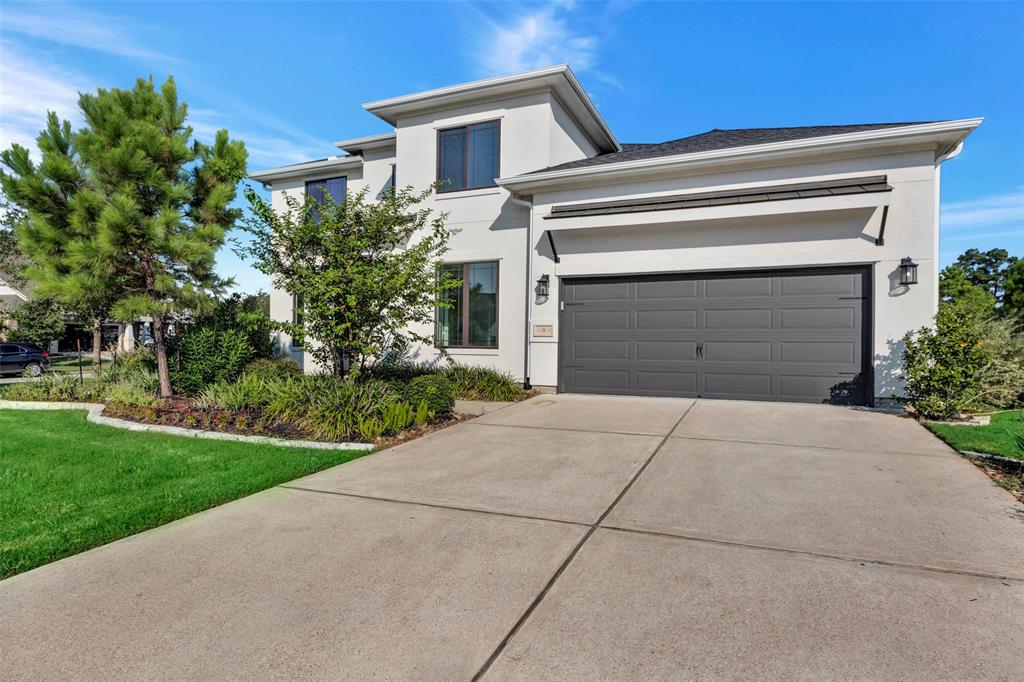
[{"x": 764, "y": 264}]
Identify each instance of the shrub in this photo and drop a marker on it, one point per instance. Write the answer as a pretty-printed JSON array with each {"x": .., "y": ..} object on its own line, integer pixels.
[
  {"x": 206, "y": 355},
  {"x": 139, "y": 362},
  {"x": 268, "y": 369},
  {"x": 482, "y": 383},
  {"x": 942, "y": 366},
  {"x": 131, "y": 393},
  {"x": 1001, "y": 380},
  {"x": 55, "y": 387},
  {"x": 433, "y": 389},
  {"x": 325, "y": 406},
  {"x": 248, "y": 392}
]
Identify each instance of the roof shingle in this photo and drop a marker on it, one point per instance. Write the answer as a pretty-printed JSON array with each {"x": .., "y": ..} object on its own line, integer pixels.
[{"x": 719, "y": 139}]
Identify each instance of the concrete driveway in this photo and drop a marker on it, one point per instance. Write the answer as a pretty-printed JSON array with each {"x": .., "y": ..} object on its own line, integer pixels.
[{"x": 565, "y": 538}]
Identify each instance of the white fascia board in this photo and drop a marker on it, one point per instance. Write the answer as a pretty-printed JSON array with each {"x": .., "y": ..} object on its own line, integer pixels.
[
  {"x": 8, "y": 290},
  {"x": 357, "y": 144},
  {"x": 558, "y": 78},
  {"x": 839, "y": 202},
  {"x": 948, "y": 133},
  {"x": 300, "y": 170}
]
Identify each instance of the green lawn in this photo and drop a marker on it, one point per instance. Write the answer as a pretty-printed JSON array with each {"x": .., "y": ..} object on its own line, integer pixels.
[
  {"x": 67, "y": 485},
  {"x": 1004, "y": 436}
]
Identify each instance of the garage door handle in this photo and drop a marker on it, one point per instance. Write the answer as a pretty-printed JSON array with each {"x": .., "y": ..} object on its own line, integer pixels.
[{"x": 700, "y": 349}]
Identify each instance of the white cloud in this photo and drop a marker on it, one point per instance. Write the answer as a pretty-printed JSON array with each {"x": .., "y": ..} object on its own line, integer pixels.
[
  {"x": 28, "y": 89},
  {"x": 71, "y": 25},
  {"x": 995, "y": 209},
  {"x": 528, "y": 39}
]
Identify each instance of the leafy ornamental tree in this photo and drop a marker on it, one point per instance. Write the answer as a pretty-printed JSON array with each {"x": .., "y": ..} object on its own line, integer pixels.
[
  {"x": 147, "y": 207},
  {"x": 1013, "y": 292},
  {"x": 38, "y": 321},
  {"x": 366, "y": 272},
  {"x": 56, "y": 232}
]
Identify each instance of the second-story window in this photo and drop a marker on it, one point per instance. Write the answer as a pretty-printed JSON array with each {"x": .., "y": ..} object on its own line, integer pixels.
[
  {"x": 332, "y": 187},
  {"x": 467, "y": 156}
]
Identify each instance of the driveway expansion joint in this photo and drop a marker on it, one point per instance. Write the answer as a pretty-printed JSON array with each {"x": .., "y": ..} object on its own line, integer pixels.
[
  {"x": 815, "y": 447},
  {"x": 434, "y": 505},
  {"x": 560, "y": 428},
  {"x": 820, "y": 555},
  {"x": 576, "y": 550}
]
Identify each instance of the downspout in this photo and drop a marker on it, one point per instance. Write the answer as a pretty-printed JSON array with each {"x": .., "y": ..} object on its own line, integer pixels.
[{"x": 529, "y": 289}]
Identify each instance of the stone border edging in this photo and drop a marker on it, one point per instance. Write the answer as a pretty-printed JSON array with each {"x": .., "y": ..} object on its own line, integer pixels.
[
  {"x": 1004, "y": 462},
  {"x": 95, "y": 416}
]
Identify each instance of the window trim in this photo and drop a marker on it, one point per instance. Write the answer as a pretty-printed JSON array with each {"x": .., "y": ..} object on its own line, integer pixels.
[
  {"x": 307, "y": 183},
  {"x": 464, "y": 315},
  {"x": 465, "y": 156}
]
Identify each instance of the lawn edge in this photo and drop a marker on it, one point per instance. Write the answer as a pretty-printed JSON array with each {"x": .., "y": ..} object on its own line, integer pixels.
[{"x": 95, "y": 415}]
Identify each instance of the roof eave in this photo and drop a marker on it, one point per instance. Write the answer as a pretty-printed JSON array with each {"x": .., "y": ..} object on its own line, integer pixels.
[
  {"x": 950, "y": 132},
  {"x": 301, "y": 170},
  {"x": 596, "y": 128},
  {"x": 358, "y": 144}
]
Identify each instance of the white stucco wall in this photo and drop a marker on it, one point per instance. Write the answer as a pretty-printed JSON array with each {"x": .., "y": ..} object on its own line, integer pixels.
[{"x": 535, "y": 132}]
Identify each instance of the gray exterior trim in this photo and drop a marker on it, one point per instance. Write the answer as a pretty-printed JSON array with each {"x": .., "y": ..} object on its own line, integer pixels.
[{"x": 751, "y": 195}]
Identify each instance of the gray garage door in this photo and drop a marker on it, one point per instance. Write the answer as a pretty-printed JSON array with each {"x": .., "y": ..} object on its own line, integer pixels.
[{"x": 795, "y": 335}]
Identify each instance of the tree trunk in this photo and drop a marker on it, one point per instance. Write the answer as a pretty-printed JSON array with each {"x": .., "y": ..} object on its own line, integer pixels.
[
  {"x": 97, "y": 343},
  {"x": 160, "y": 346}
]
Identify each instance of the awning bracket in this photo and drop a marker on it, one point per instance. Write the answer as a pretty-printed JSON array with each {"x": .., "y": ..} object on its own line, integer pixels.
[{"x": 551, "y": 242}]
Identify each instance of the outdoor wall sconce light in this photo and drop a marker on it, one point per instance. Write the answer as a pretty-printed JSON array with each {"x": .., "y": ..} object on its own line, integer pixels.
[
  {"x": 908, "y": 272},
  {"x": 542, "y": 286}
]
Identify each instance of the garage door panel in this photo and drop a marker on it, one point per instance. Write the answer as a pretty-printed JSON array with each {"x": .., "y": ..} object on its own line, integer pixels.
[
  {"x": 601, "y": 291},
  {"x": 738, "y": 318},
  {"x": 666, "y": 289},
  {"x": 597, "y": 320},
  {"x": 818, "y": 318},
  {"x": 820, "y": 352},
  {"x": 739, "y": 385},
  {"x": 666, "y": 319},
  {"x": 600, "y": 380},
  {"x": 738, "y": 287},
  {"x": 819, "y": 285},
  {"x": 795, "y": 335},
  {"x": 840, "y": 389},
  {"x": 660, "y": 351},
  {"x": 737, "y": 351},
  {"x": 667, "y": 382},
  {"x": 600, "y": 350}
]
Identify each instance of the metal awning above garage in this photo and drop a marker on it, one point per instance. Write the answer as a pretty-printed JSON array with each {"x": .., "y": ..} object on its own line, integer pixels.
[{"x": 829, "y": 195}]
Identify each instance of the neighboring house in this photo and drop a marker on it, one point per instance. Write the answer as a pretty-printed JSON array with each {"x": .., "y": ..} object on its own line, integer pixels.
[
  {"x": 11, "y": 295},
  {"x": 114, "y": 333},
  {"x": 758, "y": 263}
]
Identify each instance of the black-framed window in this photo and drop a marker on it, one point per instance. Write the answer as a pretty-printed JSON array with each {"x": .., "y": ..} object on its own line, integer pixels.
[
  {"x": 332, "y": 187},
  {"x": 297, "y": 315},
  {"x": 472, "y": 319},
  {"x": 467, "y": 156}
]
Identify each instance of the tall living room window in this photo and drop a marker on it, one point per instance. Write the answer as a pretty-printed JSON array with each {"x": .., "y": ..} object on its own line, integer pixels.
[
  {"x": 472, "y": 319},
  {"x": 467, "y": 156}
]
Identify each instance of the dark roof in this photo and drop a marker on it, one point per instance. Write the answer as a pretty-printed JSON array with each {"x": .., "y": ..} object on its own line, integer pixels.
[
  {"x": 749, "y": 195},
  {"x": 718, "y": 139}
]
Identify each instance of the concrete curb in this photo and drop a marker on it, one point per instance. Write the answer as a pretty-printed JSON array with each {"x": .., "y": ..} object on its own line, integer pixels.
[{"x": 96, "y": 417}]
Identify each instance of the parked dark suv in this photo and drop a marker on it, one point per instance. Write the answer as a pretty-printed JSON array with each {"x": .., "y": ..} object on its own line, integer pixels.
[{"x": 17, "y": 357}]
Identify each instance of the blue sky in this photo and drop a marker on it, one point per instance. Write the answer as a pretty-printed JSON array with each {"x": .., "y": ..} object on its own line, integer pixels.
[{"x": 289, "y": 78}]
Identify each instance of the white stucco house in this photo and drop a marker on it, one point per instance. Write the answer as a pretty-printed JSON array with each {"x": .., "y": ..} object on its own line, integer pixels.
[{"x": 763, "y": 264}]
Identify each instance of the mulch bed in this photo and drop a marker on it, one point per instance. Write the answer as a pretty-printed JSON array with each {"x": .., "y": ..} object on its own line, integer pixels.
[{"x": 182, "y": 413}]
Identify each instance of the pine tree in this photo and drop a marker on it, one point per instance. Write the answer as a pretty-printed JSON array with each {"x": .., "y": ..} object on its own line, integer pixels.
[
  {"x": 57, "y": 233},
  {"x": 154, "y": 203}
]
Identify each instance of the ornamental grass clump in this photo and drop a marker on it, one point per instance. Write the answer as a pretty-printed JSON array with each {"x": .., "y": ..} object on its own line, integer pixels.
[{"x": 482, "y": 383}]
